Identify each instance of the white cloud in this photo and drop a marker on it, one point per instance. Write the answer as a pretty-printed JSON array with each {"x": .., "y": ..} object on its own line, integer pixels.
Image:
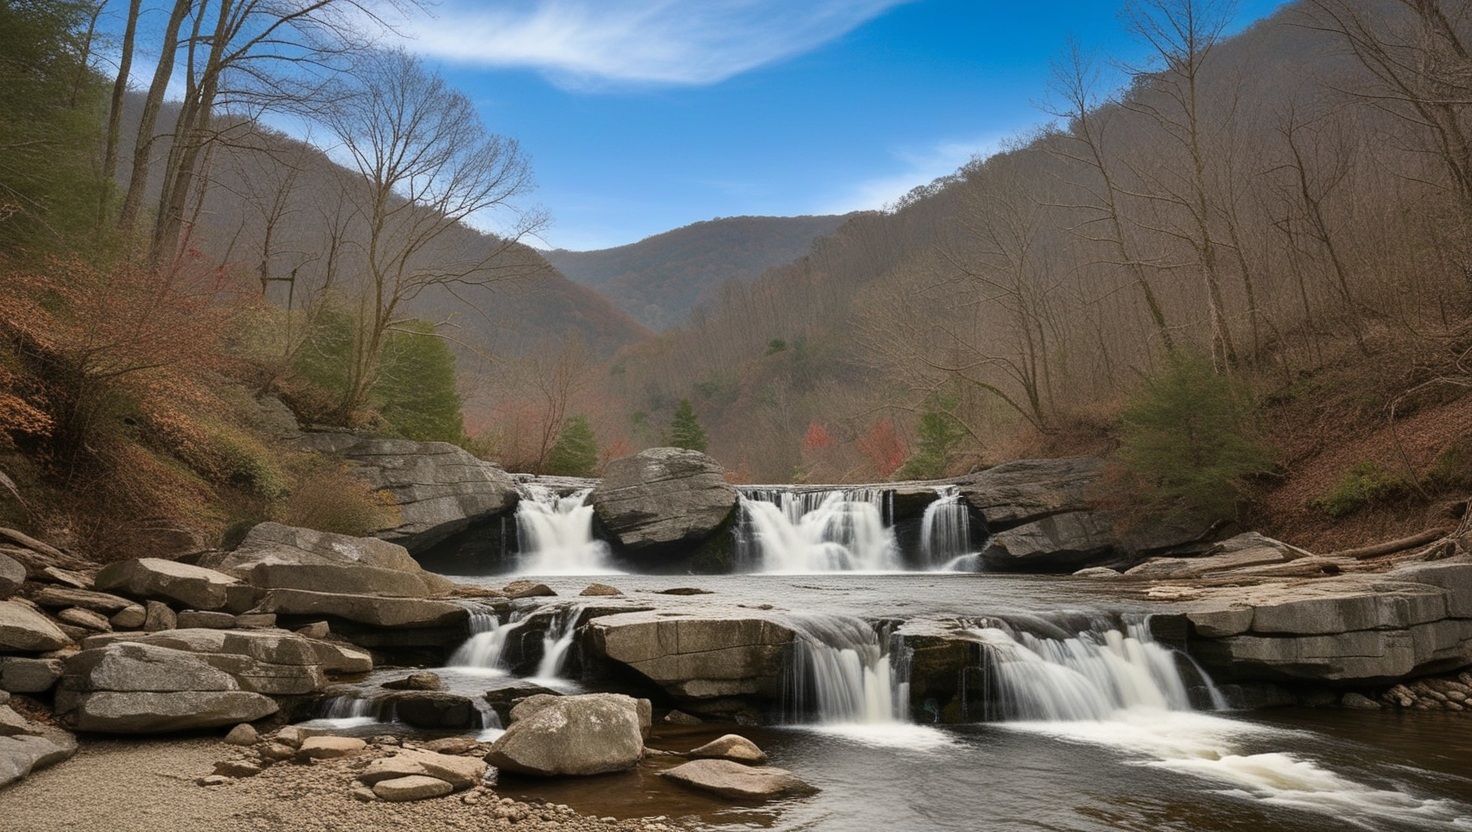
[
  {"x": 915, "y": 168},
  {"x": 692, "y": 42}
]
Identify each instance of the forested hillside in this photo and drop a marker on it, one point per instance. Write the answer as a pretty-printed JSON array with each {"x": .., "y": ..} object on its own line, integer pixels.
[{"x": 658, "y": 280}]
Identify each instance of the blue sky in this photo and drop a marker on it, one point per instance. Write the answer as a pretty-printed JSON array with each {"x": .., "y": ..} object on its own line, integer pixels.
[{"x": 645, "y": 115}]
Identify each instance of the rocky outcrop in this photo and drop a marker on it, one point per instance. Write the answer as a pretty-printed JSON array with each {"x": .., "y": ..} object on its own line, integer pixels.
[
  {"x": 696, "y": 660},
  {"x": 273, "y": 556},
  {"x": 167, "y": 580},
  {"x": 1058, "y": 543},
  {"x": 572, "y": 735},
  {"x": 143, "y": 688},
  {"x": 738, "y": 782},
  {"x": 1351, "y": 629},
  {"x": 1029, "y": 490},
  {"x": 273, "y": 662},
  {"x": 12, "y": 575},
  {"x": 440, "y": 489},
  {"x": 26, "y": 745},
  {"x": 663, "y": 498},
  {"x": 1243, "y": 552}
]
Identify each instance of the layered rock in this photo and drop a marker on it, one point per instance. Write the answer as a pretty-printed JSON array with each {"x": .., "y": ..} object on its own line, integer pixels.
[
  {"x": 697, "y": 660},
  {"x": 1029, "y": 490},
  {"x": 166, "y": 580},
  {"x": 1057, "y": 543},
  {"x": 273, "y": 556},
  {"x": 273, "y": 662},
  {"x": 439, "y": 488},
  {"x": 26, "y": 746},
  {"x": 24, "y": 630},
  {"x": 663, "y": 498}
]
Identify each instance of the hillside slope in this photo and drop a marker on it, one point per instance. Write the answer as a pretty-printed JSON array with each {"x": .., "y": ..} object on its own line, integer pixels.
[{"x": 658, "y": 280}]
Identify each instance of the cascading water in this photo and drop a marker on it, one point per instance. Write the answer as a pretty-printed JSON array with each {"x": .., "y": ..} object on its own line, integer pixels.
[
  {"x": 843, "y": 672},
  {"x": 555, "y": 644},
  {"x": 816, "y": 531},
  {"x": 945, "y": 532},
  {"x": 482, "y": 651},
  {"x": 556, "y": 534}
]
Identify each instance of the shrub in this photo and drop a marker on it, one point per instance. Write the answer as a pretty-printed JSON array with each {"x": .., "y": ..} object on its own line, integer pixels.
[
  {"x": 1188, "y": 442},
  {"x": 1367, "y": 484},
  {"x": 575, "y": 454},
  {"x": 685, "y": 430},
  {"x": 1452, "y": 469},
  {"x": 416, "y": 391},
  {"x": 936, "y": 436},
  {"x": 326, "y": 497}
]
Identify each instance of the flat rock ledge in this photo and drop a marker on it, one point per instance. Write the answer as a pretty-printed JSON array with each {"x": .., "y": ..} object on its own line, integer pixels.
[{"x": 735, "y": 781}]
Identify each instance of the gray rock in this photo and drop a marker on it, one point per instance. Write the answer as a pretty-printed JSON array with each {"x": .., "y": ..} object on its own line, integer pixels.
[
  {"x": 12, "y": 575},
  {"x": 1028, "y": 490},
  {"x": 681, "y": 718},
  {"x": 1358, "y": 702},
  {"x": 697, "y": 658},
  {"x": 166, "y": 580},
  {"x": 255, "y": 621},
  {"x": 600, "y": 590},
  {"x": 415, "y": 681},
  {"x": 25, "y": 675},
  {"x": 159, "y": 617},
  {"x": 1454, "y": 578},
  {"x": 537, "y": 701},
  {"x": 130, "y": 667},
  {"x": 440, "y": 489},
  {"x": 330, "y": 748},
  {"x": 1063, "y": 542},
  {"x": 1360, "y": 656},
  {"x": 64, "y": 577},
  {"x": 733, "y": 747},
  {"x": 413, "y": 787},
  {"x": 204, "y": 619},
  {"x": 736, "y": 781},
  {"x": 663, "y": 497},
  {"x": 573, "y": 735},
  {"x": 274, "y": 556},
  {"x": 59, "y": 597},
  {"x": 131, "y": 617},
  {"x": 86, "y": 619},
  {"x": 22, "y": 629},
  {"x": 459, "y": 772},
  {"x": 242, "y": 734},
  {"x": 317, "y": 629},
  {"x": 372, "y": 610},
  {"x": 528, "y": 589},
  {"x": 116, "y": 712},
  {"x": 431, "y": 710},
  {"x": 1097, "y": 572},
  {"x": 22, "y": 754}
]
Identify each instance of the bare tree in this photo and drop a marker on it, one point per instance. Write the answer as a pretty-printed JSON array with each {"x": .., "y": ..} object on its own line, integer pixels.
[{"x": 429, "y": 165}]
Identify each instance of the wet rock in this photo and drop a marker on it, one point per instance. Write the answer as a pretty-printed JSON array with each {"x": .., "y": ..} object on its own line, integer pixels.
[
  {"x": 1359, "y": 702},
  {"x": 431, "y": 710},
  {"x": 696, "y": 658},
  {"x": 681, "y": 718},
  {"x": 528, "y": 589},
  {"x": 684, "y": 590},
  {"x": 22, "y": 629},
  {"x": 572, "y": 735},
  {"x": 166, "y": 580},
  {"x": 413, "y": 787},
  {"x": 415, "y": 681},
  {"x": 738, "y": 782},
  {"x": 439, "y": 488},
  {"x": 733, "y": 747},
  {"x": 372, "y": 610},
  {"x": 600, "y": 590},
  {"x": 663, "y": 497},
  {"x": 1063, "y": 542}
]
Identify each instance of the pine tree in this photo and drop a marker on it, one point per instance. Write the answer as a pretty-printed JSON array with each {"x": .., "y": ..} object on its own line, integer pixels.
[
  {"x": 575, "y": 453},
  {"x": 685, "y": 430}
]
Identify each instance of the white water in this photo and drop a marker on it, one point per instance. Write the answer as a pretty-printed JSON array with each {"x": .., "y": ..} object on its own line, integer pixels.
[
  {"x": 481, "y": 653},
  {"x": 845, "y": 673},
  {"x": 816, "y": 531},
  {"x": 556, "y": 534},
  {"x": 555, "y": 644},
  {"x": 945, "y": 532},
  {"x": 1123, "y": 691}
]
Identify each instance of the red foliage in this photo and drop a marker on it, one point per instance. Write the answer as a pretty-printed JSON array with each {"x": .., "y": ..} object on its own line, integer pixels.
[
  {"x": 617, "y": 449},
  {"x": 816, "y": 437},
  {"x": 883, "y": 447}
]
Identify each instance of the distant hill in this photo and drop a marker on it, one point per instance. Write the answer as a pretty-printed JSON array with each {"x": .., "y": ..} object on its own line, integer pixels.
[{"x": 658, "y": 280}]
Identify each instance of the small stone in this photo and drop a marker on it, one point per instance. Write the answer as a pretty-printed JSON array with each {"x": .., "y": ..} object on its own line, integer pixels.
[
  {"x": 1097, "y": 572},
  {"x": 86, "y": 619},
  {"x": 528, "y": 589},
  {"x": 291, "y": 735},
  {"x": 684, "y": 590},
  {"x": 159, "y": 617},
  {"x": 242, "y": 734},
  {"x": 130, "y": 618},
  {"x": 237, "y": 768},
  {"x": 275, "y": 752},
  {"x": 205, "y": 619},
  {"x": 363, "y": 794},
  {"x": 681, "y": 718},
  {"x": 415, "y": 681},
  {"x": 470, "y": 798},
  {"x": 57, "y": 575},
  {"x": 330, "y": 748},
  {"x": 454, "y": 745},
  {"x": 599, "y": 590},
  {"x": 317, "y": 629},
  {"x": 733, "y": 747},
  {"x": 214, "y": 780},
  {"x": 387, "y": 741},
  {"x": 413, "y": 787}
]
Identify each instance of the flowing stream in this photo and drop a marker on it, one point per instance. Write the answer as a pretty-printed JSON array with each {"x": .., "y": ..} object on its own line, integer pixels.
[{"x": 556, "y": 534}]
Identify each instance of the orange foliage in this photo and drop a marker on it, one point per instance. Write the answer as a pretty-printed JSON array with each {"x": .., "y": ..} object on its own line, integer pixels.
[
  {"x": 816, "y": 437},
  {"x": 883, "y": 447}
]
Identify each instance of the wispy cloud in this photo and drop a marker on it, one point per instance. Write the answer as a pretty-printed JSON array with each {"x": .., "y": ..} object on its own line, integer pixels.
[
  {"x": 578, "y": 43},
  {"x": 914, "y": 167}
]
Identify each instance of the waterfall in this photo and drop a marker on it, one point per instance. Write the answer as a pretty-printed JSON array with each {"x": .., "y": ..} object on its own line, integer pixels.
[
  {"x": 556, "y": 642},
  {"x": 816, "y": 531},
  {"x": 482, "y": 651},
  {"x": 843, "y": 671},
  {"x": 556, "y": 534},
  {"x": 945, "y": 532},
  {"x": 352, "y": 709},
  {"x": 1090, "y": 676}
]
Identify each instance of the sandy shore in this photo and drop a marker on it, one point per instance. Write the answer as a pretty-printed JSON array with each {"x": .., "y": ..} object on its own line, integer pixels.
[{"x": 149, "y": 786}]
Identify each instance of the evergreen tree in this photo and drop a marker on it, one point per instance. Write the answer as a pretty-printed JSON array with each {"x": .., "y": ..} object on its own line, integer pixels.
[
  {"x": 685, "y": 430},
  {"x": 1188, "y": 441},
  {"x": 937, "y": 435},
  {"x": 416, "y": 391},
  {"x": 575, "y": 453}
]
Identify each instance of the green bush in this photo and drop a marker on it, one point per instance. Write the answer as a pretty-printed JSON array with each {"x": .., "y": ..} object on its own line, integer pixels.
[
  {"x": 1367, "y": 484},
  {"x": 575, "y": 454},
  {"x": 416, "y": 391},
  {"x": 936, "y": 436},
  {"x": 685, "y": 430},
  {"x": 1188, "y": 439},
  {"x": 1452, "y": 469}
]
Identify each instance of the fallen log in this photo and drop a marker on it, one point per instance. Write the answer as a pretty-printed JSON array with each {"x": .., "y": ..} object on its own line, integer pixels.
[{"x": 1391, "y": 546}]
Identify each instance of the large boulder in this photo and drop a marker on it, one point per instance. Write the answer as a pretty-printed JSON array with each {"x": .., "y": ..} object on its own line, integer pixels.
[
  {"x": 167, "y": 580},
  {"x": 24, "y": 630},
  {"x": 663, "y": 498},
  {"x": 440, "y": 489},
  {"x": 435, "y": 710},
  {"x": 273, "y": 662},
  {"x": 128, "y": 688},
  {"x": 573, "y": 735},
  {"x": 738, "y": 782},
  {"x": 1057, "y": 543},
  {"x": 274, "y": 556},
  {"x": 26, "y": 745},
  {"x": 1028, "y": 490},
  {"x": 695, "y": 658}
]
